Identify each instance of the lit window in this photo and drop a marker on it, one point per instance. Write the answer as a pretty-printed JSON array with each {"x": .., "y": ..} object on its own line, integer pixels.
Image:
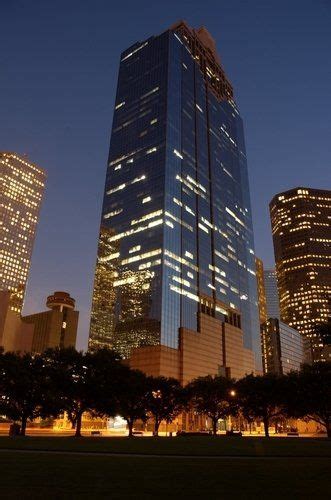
[
  {"x": 179, "y": 203},
  {"x": 177, "y": 153},
  {"x": 135, "y": 249},
  {"x": 189, "y": 210},
  {"x": 189, "y": 254},
  {"x": 134, "y": 51},
  {"x": 117, "y": 188},
  {"x": 120, "y": 105},
  {"x": 151, "y": 150},
  {"x": 138, "y": 179}
]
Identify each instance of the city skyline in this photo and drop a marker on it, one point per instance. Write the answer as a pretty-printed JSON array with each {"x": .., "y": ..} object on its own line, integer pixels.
[{"x": 52, "y": 242}]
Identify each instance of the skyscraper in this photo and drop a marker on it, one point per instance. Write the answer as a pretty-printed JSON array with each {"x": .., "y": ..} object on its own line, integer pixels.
[
  {"x": 271, "y": 293},
  {"x": 282, "y": 346},
  {"x": 261, "y": 292},
  {"x": 301, "y": 227},
  {"x": 176, "y": 240},
  {"x": 22, "y": 188}
]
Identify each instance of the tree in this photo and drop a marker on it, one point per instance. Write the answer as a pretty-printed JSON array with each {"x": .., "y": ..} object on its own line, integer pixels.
[
  {"x": 81, "y": 380},
  {"x": 132, "y": 398},
  {"x": 164, "y": 400},
  {"x": 26, "y": 388},
  {"x": 212, "y": 396},
  {"x": 260, "y": 397},
  {"x": 309, "y": 394}
]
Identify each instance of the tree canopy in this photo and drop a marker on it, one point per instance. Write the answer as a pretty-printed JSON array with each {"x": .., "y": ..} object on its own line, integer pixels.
[
  {"x": 260, "y": 397},
  {"x": 100, "y": 383},
  {"x": 308, "y": 394},
  {"x": 164, "y": 400},
  {"x": 26, "y": 388},
  {"x": 212, "y": 396}
]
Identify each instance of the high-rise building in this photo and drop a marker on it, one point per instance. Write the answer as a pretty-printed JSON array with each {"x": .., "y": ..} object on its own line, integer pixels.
[
  {"x": 176, "y": 241},
  {"x": 22, "y": 188},
  {"x": 271, "y": 293},
  {"x": 301, "y": 227},
  {"x": 261, "y": 293},
  {"x": 282, "y": 347}
]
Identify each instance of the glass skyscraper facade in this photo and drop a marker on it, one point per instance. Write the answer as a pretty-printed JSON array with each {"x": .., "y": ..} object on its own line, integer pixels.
[{"x": 176, "y": 230}]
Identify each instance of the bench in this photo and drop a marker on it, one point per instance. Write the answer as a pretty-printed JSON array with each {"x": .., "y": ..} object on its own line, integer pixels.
[{"x": 96, "y": 433}]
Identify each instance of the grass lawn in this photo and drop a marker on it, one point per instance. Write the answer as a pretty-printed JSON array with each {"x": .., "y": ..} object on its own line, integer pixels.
[
  {"x": 296, "y": 468},
  {"x": 197, "y": 445}
]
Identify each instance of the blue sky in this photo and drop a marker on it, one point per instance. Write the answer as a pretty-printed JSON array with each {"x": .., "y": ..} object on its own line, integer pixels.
[{"x": 59, "y": 63}]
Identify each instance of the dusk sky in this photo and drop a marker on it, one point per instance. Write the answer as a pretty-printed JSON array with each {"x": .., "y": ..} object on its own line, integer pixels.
[{"x": 59, "y": 62}]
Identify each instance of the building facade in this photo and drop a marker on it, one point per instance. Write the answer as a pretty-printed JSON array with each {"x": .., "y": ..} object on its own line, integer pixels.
[
  {"x": 56, "y": 327},
  {"x": 271, "y": 293},
  {"x": 22, "y": 188},
  {"x": 282, "y": 348},
  {"x": 261, "y": 292},
  {"x": 301, "y": 227},
  {"x": 176, "y": 240},
  {"x": 40, "y": 331},
  {"x": 15, "y": 335}
]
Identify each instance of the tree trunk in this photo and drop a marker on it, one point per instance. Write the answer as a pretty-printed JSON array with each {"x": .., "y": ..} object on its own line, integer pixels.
[
  {"x": 214, "y": 422},
  {"x": 23, "y": 425},
  {"x": 130, "y": 425},
  {"x": 156, "y": 427},
  {"x": 78, "y": 424},
  {"x": 266, "y": 426}
]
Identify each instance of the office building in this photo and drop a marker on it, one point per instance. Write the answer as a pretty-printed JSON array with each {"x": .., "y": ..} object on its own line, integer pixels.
[
  {"x": 282, "y": 348},
  {"x": 15, "y": 335},
  {"x": 56, "y": 327},
  {"x": 261, "y": 292},
  {"x": 38, "y": 332},
  {"x": 176, "y": 250},
  {"x": 22, "y": 188},
  {"x": 301, "y": 227},
  {"x": 271, "y": 293}
]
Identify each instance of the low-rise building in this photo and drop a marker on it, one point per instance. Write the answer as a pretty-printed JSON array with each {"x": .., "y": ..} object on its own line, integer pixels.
[{"x": 56, "y": 327}]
